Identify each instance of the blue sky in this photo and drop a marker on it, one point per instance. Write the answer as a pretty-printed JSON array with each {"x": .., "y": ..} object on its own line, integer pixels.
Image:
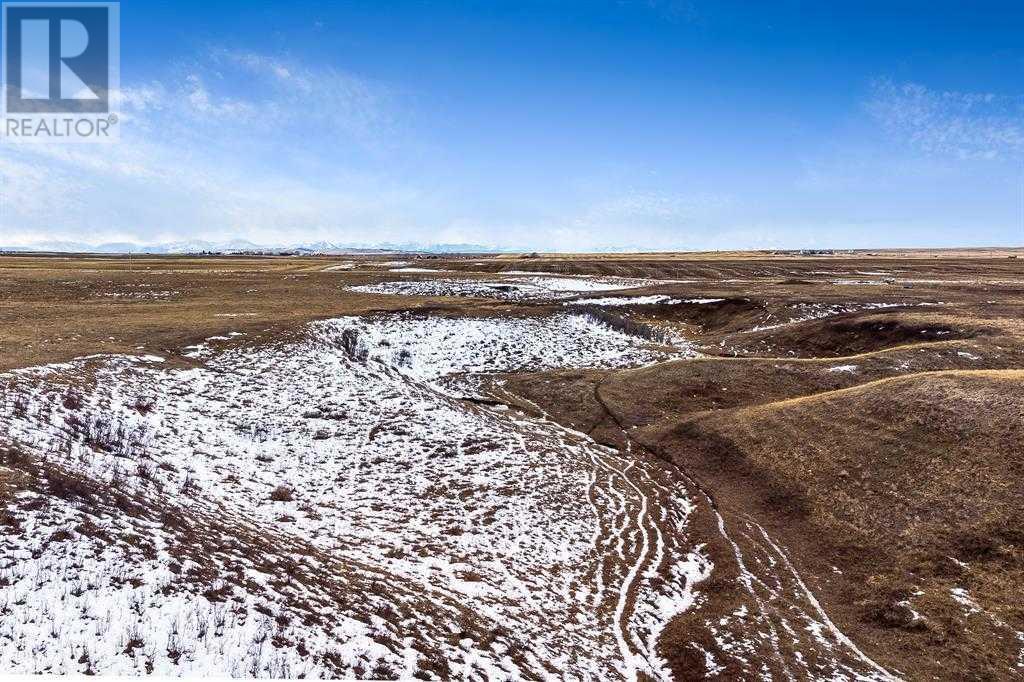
[{"x": 548, "y": 125}]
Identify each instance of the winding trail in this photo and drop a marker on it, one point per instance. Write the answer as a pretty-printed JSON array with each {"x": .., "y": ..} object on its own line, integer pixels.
[{"x": 789, "y": 586}]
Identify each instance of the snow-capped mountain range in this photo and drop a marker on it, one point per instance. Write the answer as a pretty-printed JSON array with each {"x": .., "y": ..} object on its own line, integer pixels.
[{"x": 244, "y": 246}]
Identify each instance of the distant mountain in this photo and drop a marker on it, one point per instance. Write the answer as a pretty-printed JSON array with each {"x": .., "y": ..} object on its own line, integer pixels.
[
  {"x": 244, "y": 246},
  {"x": 64, "y": 247}
]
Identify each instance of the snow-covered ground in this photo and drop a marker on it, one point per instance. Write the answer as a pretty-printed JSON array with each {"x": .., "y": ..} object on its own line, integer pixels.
[
  {"x": 515, "y": 288},
  {"x": 428, "y": 348},
  {"x": 331, "y": 506},
  {"x": 805, "y": 312},
  {"x": 416, "y": 270},
  {"x": 655, "y": 299},
  {"x": 409, "y": 531}
]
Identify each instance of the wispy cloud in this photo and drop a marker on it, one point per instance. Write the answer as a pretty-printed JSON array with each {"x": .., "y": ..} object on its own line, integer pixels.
[
  {"x": 234, "y": 144},
  {"x": 244, "y": 94},
  {"x": 238, "y": 144},
  {"x": 966, "y": 125},
  {"x": 676, "y": 11},
  {"x": 641, "y": 219},
  {"x": 658, "y": 218},
  {"x": 289, "y": 94}
]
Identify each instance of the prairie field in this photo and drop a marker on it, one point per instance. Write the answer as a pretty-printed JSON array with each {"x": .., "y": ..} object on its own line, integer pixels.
[{"x": 735, "y": 465}]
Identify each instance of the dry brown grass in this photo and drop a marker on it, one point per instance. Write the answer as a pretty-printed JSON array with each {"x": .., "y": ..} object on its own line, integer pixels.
[
  {"x": 54, "y": 308},
  {"x": 890, "y": 484},
  {"x": 894, "y": 482},
  {"x": 779, "y": 266},
  {"x": 877, "y": 489},
  {"x": 282, "y": 493},
  {"x": 884, "y": 472}
]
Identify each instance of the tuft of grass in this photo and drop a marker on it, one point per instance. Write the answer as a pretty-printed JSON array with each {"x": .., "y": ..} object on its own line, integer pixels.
[
  {"x": 144, "y": 405},
  {"x": 20, "y": 407},
  {"x": 72, "y": 401},
  {"x": 144, "y": 471},
  {"x": 188, "y": 485},
  {"x": 282, "y": 493}
]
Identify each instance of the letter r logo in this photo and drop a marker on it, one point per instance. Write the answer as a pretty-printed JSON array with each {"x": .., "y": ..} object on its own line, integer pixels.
[{"x": 57, "y": 57}]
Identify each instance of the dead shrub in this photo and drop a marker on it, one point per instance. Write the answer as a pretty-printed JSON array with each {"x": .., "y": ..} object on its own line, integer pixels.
[
  {"x": 10, "y": 523},
  {"x": 219, "y": 592},
  {"x": 282, "y": 493},
  {"x": 174, "y": 648},
  {"x": 128, "y": 506},
  {"x": 20, "y": 407},
  {"x": 62, "y": 535},
  {"x": 259, "y": 432},
  {"x": 350, "y": 345},
  {"x": 15, "y": 458},
  {"x": 90, "y": 530},
  {"x": 72, "y": 401},
  {"x": 144, "y": 405},
  {"x": 172, "y": 519},
  {"x": 144, "y": 470},
  {"x": 74, "y": 423},
  {"x": 101, "y": 434},
  {"x": 135, "y": 640},
  {"x": 188, "y": 486}
]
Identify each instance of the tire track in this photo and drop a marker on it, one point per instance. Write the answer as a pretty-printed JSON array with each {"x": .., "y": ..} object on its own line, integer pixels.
[
  {"x": 748, "y": 578},
  {"x": 636, "y": 656}
]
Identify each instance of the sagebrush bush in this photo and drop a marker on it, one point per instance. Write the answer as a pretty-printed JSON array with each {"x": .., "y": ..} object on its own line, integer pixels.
[
  {"x": 282, "y": 493},
  {"x": 144, "y": 405}
]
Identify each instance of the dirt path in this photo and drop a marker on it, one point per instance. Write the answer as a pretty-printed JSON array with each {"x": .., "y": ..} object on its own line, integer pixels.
[{"x": 782, "y": 605}]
